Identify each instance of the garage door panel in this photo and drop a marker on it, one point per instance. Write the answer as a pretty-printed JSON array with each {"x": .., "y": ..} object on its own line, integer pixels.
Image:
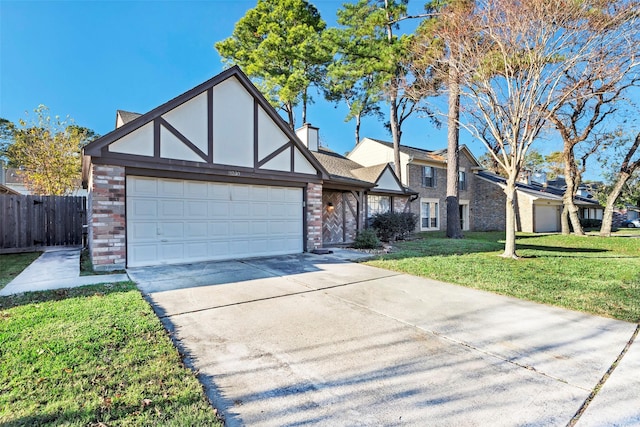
[
  {"x": 197, "y": 230},
  {"x": 219, "y": 209},
  {"x": 141, "y": 231},
  {"x": 197, "y": 209},
  {"x": 142, "y": 187},
  {"x": 171, "y": 188},
  {"x": 172, "y": 230},
  {"x": 218, "y": 249},
  {"x": 196, "y": 190},
  {"x": 546, "y": 219},
  {"x": 218, "y": 229},
  {"x": 174, "y": 221},
  {"x": 197, "y": 250},
  {"x": 143, "y": 208}
]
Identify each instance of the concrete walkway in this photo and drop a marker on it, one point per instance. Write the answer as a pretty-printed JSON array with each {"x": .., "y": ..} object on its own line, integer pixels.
[
  {"x": 56, "y": 268},
  {"x": 316, "y": 340}
]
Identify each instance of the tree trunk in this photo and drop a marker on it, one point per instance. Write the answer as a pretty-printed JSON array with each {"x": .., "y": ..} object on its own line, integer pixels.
[
  {"x": 510, "y": 238},
  {"x": 607, "y": 218},
  {"x": 572, "y": 180},
  {"x": 304, "y": 105},
  {"x": 395, "y": 133},
  {"x": 292, "y": 121},
  {"x": 358, "y": 119},
  {"x": 454, "y": 229}
]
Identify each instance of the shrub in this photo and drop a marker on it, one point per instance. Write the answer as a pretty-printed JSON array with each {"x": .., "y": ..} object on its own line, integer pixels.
[
  {"x": 591, "y": 223},
  {"x": 394, "y": 225},
  {"x": 366, "y": 239}
]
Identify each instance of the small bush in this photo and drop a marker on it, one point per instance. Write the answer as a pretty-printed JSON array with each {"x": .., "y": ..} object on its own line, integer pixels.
[
  {"x": 394, "y": 225},
  {"x": 366, "y": 239}
]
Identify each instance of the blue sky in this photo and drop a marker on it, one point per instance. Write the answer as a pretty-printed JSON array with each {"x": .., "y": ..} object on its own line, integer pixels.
[{"x": 86, "y": 59}]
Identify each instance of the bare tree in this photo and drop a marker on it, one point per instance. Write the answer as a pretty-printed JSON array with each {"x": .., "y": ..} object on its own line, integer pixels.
[
  {"x": 434, "y": 58},
  {"x": 599, "y": 84},
  {"x": 626, "y": 170},
  {"x": 516, "y": 57}
]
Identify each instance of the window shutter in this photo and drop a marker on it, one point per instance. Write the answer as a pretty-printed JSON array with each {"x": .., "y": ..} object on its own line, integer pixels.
[{"x": 434, "y": 181}]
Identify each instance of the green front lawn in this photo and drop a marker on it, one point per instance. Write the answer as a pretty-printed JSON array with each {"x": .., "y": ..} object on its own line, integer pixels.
[
  {"x": 591, "y": 274},
  {"x": 12, "y": 264},
  {"x": 95, "y": 355}
]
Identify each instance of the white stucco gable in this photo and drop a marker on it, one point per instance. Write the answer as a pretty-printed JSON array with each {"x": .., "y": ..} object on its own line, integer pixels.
[{"x": 224, "y": 123}]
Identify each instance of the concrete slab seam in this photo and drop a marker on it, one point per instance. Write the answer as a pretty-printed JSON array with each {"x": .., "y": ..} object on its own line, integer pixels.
[
  {"x": 464, "y": 344},
  {"x": 604, "y": 379},
  {"x": 311, "y": 290}
]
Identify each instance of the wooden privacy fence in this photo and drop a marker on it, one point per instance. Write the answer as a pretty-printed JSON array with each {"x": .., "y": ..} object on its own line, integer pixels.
[{"x": 30, "y": 222}]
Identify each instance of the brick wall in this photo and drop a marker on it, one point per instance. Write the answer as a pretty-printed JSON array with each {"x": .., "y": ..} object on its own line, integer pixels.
[
  {"x": 314, "y": 216},
  {"x": 339, "y": 225},
  {"x": 487, "y": 206},
  {"x": 401, "y": 204},
  {"x": 438, "y": 192},
  {"x": 106, "y": 218}
]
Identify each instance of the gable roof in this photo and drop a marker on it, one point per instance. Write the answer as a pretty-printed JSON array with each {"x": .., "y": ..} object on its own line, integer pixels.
[
  {"x": 222, "y": 127},
  {"x": 415, "y": 153},
  {"x": 342, "y": 169},
  {"x": 100, "y": 146},
  {"x": 339, "y": 167},
  {"x": 536, "y": 190},
  {"x": 126, "y": 116}
]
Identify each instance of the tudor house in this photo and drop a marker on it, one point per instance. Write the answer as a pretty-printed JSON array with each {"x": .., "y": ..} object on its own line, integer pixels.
[{"x": 215, "y": 174}]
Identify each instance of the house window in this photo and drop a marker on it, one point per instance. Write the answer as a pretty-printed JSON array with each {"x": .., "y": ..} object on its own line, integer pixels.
[
  {"x": 462, "y": 180},
  {"x": 378, "y": 204},
  {"x": 429, "y": 214},
  {"x": 428, "y": 176}
]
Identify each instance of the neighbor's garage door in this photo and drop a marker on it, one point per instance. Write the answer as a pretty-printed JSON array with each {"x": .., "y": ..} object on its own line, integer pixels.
[
  {"x": 546, "y": 219},
  {"x": 173, "y": 221}
]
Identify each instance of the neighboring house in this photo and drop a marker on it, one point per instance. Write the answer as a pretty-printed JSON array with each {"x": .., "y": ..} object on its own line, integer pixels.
[
  {"x": 425, "y": 172},
  {"x": 215, "y": 174},
  {"x": 539, "y": 206},
  {"x": 13, "y": 181},
  {"x": 8, "y": 191},
  {"x": 481, "y": 193}
]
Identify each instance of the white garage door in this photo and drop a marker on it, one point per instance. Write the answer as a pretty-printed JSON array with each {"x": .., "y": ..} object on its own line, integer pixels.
[
  {"x": 546, "y": 219},
  {"x": 173, "y": 221}
]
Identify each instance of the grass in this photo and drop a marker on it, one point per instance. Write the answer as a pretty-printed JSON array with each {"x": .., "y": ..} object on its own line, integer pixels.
[
  {"x": 590, "y": 274},
  {"x": 12, "y": 264},
  {"x": 95, "y": 355}
]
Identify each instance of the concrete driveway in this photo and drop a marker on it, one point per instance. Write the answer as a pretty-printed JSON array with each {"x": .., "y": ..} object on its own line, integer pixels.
[{"x": 308, "y": 339}]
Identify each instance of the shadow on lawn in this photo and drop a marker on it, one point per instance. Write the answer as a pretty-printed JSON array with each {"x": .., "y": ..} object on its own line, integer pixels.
[{"x": 25, "y": 298}]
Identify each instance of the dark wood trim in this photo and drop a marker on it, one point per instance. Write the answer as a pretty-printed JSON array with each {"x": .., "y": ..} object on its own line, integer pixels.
[
  {"x": 256, "y": 136},
  {"x": 293, "y": 158},
  {"x": 305, "y": 208},
  {"x": 346, "y": 199},
  {"x": 211, "y": 178},
  {"x": 344, "y": 216},
  {"x": 210, "y": 124},
  {"x": 150, "y": 163},
  {"x": 274, "y": 154},
  {"x": 175, "y": 132},
  {"x": 95, "y": 148},
  {"x": 156, "y": 139}
]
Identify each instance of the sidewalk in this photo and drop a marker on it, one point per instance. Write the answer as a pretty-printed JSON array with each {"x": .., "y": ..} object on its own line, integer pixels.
[{"x": 55, "y": 269}]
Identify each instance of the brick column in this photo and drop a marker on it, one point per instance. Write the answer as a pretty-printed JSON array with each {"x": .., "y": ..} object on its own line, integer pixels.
[
  {"x": 314, "y": 216},
  {"x": 106, "y": 218}
]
